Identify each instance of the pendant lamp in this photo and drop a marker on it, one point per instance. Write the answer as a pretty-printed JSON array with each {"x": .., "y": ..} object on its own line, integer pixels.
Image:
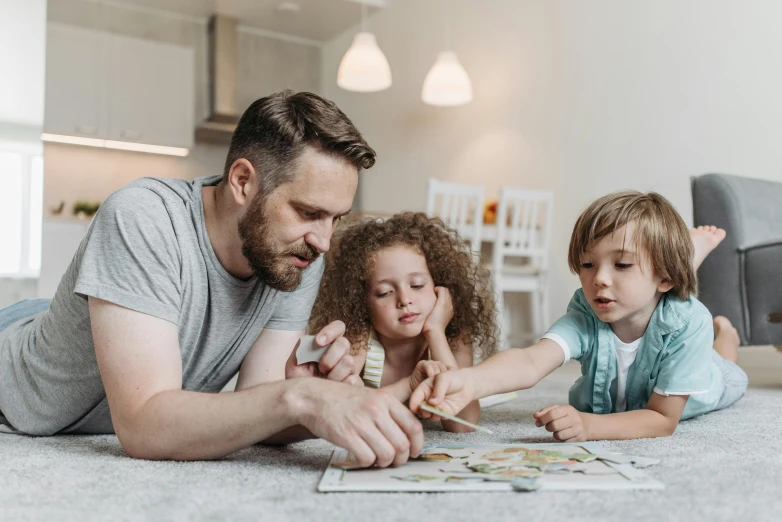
[
  {"x": 447, "y": 83},
  {"x": 364, "y": 67}
]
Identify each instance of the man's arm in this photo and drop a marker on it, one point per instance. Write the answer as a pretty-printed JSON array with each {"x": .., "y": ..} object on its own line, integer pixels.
[
  {"x": 265, "y": 362},
  {"x": 140, "y": 364}
]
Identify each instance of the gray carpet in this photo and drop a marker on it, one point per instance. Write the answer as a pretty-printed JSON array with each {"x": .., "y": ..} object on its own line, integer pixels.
[{"x": 722, "y": 466}]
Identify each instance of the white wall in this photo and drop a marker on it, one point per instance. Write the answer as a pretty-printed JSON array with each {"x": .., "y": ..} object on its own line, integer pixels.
[{"x": 579, "y": 97}]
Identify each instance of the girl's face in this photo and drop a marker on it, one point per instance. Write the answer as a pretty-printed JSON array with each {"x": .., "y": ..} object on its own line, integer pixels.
[{"x": 400, "y": 292}]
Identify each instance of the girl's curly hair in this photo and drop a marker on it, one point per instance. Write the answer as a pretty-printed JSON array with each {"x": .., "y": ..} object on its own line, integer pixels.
[{"x": 349, "y": 263}]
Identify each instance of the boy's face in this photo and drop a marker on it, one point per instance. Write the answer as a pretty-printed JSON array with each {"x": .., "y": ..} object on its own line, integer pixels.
[
  {"x": 619, "y": 283},
  {"x": 400, "y": 293}
]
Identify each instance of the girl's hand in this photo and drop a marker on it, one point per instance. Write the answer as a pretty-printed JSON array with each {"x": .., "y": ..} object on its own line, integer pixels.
[
  {"x": 442, "y": 313},
  {"x": 424, "y": 370},
  {"x": 565, "y": 422},
  {"x": 450, "y": 392}
]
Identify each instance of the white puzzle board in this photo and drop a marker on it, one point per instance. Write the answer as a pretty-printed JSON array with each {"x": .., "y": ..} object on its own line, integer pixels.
[{"x": 451, "y": 471}]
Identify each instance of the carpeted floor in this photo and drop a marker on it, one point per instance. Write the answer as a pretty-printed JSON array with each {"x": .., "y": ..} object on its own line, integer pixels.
[{"x": 722, "y": 466}]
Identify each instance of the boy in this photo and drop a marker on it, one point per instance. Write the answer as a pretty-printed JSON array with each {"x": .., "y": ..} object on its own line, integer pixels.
[{"x": 644, "y": 343}]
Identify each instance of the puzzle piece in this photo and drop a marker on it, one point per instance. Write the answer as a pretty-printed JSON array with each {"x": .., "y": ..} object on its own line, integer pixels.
[
  {"x": 308, "y": 351},
  {"x": 637, "y": 462},
  {"x": 526, "y": 483}
]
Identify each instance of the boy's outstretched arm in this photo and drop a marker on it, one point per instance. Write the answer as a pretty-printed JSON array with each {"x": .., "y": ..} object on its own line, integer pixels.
[
  {"x": 658, "y": 419},
  {"x": 509, "y": 370}
]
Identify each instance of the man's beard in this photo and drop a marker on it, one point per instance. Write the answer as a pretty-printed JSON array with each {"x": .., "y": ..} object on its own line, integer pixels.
[{"x": 272, "y": 266}]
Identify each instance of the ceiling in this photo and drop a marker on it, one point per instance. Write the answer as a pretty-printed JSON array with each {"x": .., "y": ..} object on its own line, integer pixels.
[{"x": 318, "y": 20}]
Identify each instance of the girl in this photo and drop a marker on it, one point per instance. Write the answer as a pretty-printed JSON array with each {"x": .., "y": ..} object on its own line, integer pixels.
[
  {"x": 413, "y": 300},
  {"x": 643, "y": 341}
]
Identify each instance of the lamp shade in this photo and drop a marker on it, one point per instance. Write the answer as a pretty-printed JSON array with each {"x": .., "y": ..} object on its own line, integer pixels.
[
  {"x": 447, "y": 83},
  {"x": 364, "y": 67}
]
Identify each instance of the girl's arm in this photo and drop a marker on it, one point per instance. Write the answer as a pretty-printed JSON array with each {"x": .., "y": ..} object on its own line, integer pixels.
[
  {"x": 463, "y": 357},
  {"x": 440, "y": 350},
  {"x": 659, "y": 419}
]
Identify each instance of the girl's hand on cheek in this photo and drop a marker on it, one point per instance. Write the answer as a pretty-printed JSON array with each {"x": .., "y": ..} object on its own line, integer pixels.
[
  {"x": 442, "y": 313},
  {"x": 424, "y": 370}
]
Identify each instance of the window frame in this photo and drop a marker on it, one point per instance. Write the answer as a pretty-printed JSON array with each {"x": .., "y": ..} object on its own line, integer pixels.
[{"x": 29, "y": 152}]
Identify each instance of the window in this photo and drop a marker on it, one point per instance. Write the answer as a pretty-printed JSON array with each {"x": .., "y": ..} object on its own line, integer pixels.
[{"x": 21, "y": 209}]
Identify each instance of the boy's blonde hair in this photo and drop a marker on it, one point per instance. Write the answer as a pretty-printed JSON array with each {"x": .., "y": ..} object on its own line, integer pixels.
[{"x": 660, "y": 233}]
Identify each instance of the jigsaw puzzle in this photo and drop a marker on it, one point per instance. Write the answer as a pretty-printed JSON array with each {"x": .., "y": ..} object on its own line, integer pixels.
[{"x": 517, "y": 467}]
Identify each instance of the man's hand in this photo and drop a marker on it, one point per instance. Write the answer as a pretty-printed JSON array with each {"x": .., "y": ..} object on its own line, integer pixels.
[
  {"x": 425, "y": 369},
  {"x": 371, "y": 424},
  {"x": 565, "y": 422},
  {"x": 442, "y": 313},
  {"x": 337, "y": 364},
  {"x": 450, "y": 392}
]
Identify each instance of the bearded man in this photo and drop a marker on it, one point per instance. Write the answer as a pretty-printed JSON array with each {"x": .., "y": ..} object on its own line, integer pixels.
[{"x": 179, "y": 285}]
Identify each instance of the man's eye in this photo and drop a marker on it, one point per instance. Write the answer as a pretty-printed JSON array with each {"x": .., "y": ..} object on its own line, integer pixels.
[
  {"x": 384, "y": 294},
  {"x": 417, "y": 287},
  {"x": 623, "y": 266},
  {"x": 587, "y": 265}
]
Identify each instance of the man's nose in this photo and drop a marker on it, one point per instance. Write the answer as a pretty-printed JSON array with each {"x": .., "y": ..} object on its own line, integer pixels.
[{"x": 320, "y": 237}]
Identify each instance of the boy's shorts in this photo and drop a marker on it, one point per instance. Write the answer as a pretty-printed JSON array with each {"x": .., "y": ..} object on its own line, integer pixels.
[{"x": 734, "y": 379}]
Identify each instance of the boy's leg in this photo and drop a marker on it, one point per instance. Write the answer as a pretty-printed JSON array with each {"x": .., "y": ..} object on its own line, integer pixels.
[
  {"x": 726, "y": 339},
  {"x": 705, "y": 239}
]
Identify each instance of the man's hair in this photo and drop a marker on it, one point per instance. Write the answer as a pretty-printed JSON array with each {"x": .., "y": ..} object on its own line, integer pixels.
[
  {"x": 273, "y": 132},
  {"x": 660, "y": 234},
  {"x": 350, "y": 264}
]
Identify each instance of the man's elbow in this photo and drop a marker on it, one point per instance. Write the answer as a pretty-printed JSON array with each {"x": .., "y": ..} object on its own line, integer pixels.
[
  {"x": 138, "y": 446},
  {"x": 141, "y": 443}
]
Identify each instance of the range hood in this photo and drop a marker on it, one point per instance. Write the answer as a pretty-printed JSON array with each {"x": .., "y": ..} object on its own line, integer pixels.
[{"x": 223, "y": 66}]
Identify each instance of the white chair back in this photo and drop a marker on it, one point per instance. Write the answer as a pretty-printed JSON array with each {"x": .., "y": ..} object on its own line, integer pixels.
[
  {"x": 460, "y": 206},
  {"x": 523, "y": 226}
]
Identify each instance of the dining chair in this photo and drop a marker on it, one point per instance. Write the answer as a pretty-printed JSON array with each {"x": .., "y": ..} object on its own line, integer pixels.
[
  {"x": 520, "y": 256},
  {"x": 460, "y": 206}
]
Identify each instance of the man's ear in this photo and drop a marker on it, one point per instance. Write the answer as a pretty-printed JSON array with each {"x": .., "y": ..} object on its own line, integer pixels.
[
  {"x": 664, "y": 286},
  {"x": 242, "y": 181}
]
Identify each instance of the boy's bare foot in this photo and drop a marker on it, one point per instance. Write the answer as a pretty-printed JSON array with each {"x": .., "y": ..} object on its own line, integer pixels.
[
  {"x": 705, "y": 239},
  {"x": 726, "y": 339}
]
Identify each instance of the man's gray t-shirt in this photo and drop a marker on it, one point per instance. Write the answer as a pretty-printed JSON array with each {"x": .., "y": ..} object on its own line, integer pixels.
[{"x": 147, "y": 250}]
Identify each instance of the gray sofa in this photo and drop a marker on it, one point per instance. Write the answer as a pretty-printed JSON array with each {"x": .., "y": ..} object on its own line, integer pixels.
[{"x": 742, "y": 278}]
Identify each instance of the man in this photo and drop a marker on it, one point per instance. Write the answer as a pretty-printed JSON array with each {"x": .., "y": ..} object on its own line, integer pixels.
[{"x": 178, "y": 285}]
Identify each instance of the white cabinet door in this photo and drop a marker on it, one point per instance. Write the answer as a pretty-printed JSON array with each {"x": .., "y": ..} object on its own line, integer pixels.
[
  {"x": 75, "y": 81},
  {"x": 151, "y": 98},
  {"x": 115, "y": 87}
]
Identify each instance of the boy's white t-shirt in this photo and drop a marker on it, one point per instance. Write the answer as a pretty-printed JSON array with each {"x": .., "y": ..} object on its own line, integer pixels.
[{"x": 625, "y": 357}]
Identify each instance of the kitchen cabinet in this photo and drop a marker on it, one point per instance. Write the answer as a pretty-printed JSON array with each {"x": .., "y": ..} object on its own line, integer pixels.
[{"x": 115, "y": 87}]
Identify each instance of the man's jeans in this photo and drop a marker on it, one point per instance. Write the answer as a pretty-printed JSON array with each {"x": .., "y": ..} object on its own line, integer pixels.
[{"x": 21, "y": 310}]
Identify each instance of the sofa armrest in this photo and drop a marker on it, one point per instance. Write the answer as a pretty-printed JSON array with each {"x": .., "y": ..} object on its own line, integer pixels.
[{"x": 762, "y": 292}]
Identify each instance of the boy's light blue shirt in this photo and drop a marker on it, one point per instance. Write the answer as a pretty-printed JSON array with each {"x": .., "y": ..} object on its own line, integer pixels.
[{"x": 674, "y": 357}]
